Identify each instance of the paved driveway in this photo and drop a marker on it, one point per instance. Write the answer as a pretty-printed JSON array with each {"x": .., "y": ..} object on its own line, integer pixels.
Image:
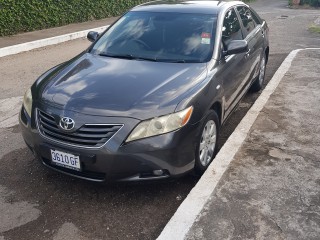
[{"x": 36, "y": 203}]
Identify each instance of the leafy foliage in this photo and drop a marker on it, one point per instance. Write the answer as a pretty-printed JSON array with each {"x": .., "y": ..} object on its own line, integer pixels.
[
  {"x": 28, "y": 15},
  {"x": 314, "y": 3}
]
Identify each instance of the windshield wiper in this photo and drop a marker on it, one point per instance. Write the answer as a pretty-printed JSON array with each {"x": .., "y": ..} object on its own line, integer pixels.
[
  {"x": 147, "y": 59},
  {"x": 130, "y": 56},
  {"x": 127, "y": 56},
  {"x": 176, "y": 61},
  {"x": 179, "y": 60}
]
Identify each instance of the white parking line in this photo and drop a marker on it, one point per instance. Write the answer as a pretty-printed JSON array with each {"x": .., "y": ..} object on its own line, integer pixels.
[
  {"x": 23, "y": 47},
  {"x": 181, "y": 222},
  {"x": 9, "y": 111}
]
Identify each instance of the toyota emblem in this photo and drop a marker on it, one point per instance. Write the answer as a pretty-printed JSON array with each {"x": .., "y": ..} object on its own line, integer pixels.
[{"x": 67, "y": 123}]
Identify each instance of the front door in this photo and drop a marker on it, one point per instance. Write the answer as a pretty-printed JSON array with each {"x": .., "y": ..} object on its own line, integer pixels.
[{"x": 232, "y": 69}]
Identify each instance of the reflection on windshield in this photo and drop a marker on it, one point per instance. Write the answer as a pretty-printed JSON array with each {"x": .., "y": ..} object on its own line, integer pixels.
[{"x": 170, "y": 37}]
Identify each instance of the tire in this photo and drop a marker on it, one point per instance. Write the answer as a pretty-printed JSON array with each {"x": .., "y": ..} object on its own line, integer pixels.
[
  {"x": 207, "y": 142},
  {"x": 258, "y": 83}
]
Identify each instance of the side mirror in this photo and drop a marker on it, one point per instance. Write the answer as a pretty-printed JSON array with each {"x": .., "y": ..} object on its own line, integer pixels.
[
  {"x": 92, "y": 36},
  {"x": 235, "y": 47}
]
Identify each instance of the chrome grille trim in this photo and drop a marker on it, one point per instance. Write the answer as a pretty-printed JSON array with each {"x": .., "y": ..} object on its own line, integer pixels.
[{"x": 92, "y": 136}]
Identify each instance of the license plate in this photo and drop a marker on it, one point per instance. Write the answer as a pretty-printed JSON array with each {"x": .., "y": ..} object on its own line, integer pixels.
[{"x": 66, "y": 160}]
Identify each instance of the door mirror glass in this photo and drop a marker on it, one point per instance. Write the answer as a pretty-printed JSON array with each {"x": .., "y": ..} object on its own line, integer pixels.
[{"x": 92, "y": 36}]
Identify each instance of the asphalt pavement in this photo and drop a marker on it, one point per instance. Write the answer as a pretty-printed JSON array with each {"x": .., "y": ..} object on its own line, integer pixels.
[{"x": 36, "y": 203}]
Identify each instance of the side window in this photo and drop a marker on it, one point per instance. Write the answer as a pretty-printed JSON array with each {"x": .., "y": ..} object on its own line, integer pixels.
[
  {"x": 231, "y": 28},
  {"x": 247, "y": 19},
  {"x": 255, "y": 17}
]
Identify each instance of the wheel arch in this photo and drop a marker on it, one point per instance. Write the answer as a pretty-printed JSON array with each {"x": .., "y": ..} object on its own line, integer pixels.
[
  {"x": 217, "y": 107},
  {"x": 267, "y": 53}
]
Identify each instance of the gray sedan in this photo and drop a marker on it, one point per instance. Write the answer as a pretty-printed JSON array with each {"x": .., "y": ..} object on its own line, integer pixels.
[{"x": 147, "y": 99}]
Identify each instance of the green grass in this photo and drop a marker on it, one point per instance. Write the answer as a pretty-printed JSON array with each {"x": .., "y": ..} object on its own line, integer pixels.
[{"x": 314, "y": 28}]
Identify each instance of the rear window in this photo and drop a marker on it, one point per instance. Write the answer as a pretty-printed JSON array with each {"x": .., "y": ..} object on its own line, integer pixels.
[{"x": 167, "y": 37}]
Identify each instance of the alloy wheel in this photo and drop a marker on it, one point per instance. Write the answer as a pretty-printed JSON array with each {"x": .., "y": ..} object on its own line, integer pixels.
[
  {"x": 262, "y": 70},
  {"x": 208, "y": 143}
]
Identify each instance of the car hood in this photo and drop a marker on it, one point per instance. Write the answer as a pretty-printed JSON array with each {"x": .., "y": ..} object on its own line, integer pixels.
[{"x": 106, "y": 86}]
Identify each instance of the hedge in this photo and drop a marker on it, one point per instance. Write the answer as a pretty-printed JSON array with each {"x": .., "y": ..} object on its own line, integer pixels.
[
  {"x": 314, "y": 3},
  {"x": 28, "y": 15}
]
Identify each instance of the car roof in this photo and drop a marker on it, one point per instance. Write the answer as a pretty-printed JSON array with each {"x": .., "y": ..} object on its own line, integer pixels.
[{"x": 186, "y": 6}]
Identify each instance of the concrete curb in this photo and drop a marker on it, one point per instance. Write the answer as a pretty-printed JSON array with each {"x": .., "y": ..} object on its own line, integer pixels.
[
  {"x": 188, "y": 212},
  {"x": 23, "y": 47}
]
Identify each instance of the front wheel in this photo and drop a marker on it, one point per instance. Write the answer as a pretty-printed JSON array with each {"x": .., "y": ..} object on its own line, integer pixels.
[
  {"x": 207, "y": 142},
  {"x": 258, "y": 83}
]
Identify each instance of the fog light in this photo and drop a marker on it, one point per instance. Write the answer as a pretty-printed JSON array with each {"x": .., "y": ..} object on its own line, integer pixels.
[{"x": 158, "y": 172}]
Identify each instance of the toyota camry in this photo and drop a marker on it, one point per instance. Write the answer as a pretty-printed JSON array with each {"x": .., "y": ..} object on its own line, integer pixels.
[{"x": 147, "y": 99}]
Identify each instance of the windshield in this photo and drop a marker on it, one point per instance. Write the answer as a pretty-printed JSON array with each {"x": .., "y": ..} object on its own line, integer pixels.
[{"x": 166, "y": 37}]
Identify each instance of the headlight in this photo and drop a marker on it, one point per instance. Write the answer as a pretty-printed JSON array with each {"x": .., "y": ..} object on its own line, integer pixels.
[
  {"x": 161, "y": 125},
  {"x": 27, "y": 101}
]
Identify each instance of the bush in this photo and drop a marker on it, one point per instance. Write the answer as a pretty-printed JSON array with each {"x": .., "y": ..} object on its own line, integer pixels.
[
  {"x": 28, "y": 15},
  {"x": 314, "y": 3}
]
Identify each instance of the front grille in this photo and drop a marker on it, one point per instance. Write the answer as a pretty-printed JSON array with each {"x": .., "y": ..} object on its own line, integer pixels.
[{"x": 88, "y": 135}]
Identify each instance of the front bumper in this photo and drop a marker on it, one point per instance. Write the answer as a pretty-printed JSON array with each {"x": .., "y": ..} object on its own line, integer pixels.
[{"x": 173, "y": 153}]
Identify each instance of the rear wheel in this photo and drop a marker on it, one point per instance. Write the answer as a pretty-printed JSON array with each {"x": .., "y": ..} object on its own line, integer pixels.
[
  {"x": 207, "y": 142},
  {"x": 258, "y": 83}
]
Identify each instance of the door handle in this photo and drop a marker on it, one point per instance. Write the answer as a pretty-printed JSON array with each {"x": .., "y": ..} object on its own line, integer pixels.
[{"x": 247, "y": 53}]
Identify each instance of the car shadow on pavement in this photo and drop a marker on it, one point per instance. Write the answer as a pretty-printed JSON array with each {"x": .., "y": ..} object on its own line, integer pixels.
[{"x": 139, "y": 209}]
